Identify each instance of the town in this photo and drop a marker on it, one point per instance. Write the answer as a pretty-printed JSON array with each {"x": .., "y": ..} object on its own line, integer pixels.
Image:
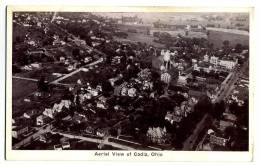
[{"x": 130, "y": 81}]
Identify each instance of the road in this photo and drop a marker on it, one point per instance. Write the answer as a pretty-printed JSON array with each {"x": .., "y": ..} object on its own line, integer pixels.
[
  {"x": 76, "y": 71},
  {"x": 224, "y": 91},
  {"x": 191, "y": 140},
  {"x": 24, "y": 78},
  {"x": 103, "y": 141},
  {"x": 227, "y": 88}
]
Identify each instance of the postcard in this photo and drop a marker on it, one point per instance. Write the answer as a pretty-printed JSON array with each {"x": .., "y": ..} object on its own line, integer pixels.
[{"x": 129, "y": 83}]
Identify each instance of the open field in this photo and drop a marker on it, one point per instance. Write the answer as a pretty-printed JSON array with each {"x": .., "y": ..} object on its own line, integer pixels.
[
  {"x": 138, "y": 37},
  {"x": 217, "y": 38},
  {"x": 22, "y": 88},
  {"x": 175, "y": 33}
]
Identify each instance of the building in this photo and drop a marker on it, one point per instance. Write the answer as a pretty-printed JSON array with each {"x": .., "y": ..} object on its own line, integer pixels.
[
  {"x": 228, "y": 64},
  {"x": 79, "y": 118},
  {"x": 214, "y": 60},
  {"x": 225, "y": 62},
  {"x": 49, "y": 113},
  {"x": 65, "y": 145},
  {"x": 42, "y": 120},
  {"x": 206, "y": 58},
  {"x": 31, "y": 113},
  {"x": 45, "y": 138},
  {"x": 157, "y": 135},
  {"x": 224, "y": 124},
  {"x": 230, "y": 117},
  {"x": 57, "y": 147},
  {"x": 218, "y": 140},
  {"x": 131, "y": 20},
  {"x": 172, "y": 118},
  {"x": 17, "y": 132}
]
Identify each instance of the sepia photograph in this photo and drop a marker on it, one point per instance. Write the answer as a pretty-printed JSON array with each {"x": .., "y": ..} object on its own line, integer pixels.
[{"x": 112, "y": 81}]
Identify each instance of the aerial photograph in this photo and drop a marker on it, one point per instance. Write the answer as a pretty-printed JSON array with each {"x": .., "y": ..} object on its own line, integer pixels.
[{"x": 175, "y": 81}]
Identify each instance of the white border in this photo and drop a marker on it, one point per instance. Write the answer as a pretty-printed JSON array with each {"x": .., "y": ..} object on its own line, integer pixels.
[{"x": 88, "y": 155}]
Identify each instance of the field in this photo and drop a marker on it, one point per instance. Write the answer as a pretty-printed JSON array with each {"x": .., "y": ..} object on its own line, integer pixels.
[
  {"x": 217, "y": 38},
  {"x": 22, "y": 88},
  {"x": 175, "y": 33},
  {"x": 138, "y": 37}
]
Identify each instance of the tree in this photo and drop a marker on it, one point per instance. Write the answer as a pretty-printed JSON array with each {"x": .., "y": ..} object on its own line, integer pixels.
[
  {"x": 238, "y": 48},
  {"x": 42, "y": 85},
  {"x": 218, "y": 110},
  {"x": 226, "y": 44}
]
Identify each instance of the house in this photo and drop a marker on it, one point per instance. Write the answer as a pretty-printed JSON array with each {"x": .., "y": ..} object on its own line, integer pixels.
[
  {"x": 57, "y": 147},
  {"x": 79, "y": 118},
  {"x": 214, "y": 60},
  {"x": 101, "y": 132},
  {"x": 65, "y": 145},
  {"x": 230, "y": 117},
  {"x": 89, "y": 130},
  {"x": 157, "y": 135},
  {"x": 228, "y": 64},
  {"x": 206, "y": 67},
  {"x": 67, "y": 118},
  {"x": 225, "y": 62},
  {"x": 23, "y": 121},
  {"x": 132, "y": 92},
  {"x": 206, "y": 58},
  {"x": 218, "y": 140},
  {"x": 31, "y": 113},
  {"x": 62, "y": 59},
  {"x": 93, "y": 92},
  {"x": 45, "y": 138},
  {"x": 172, "y": 118},
  {"x": 102, "y": 102},
  {"x": 17, "y": 132},
  {"x": 182, "y": 80},
  {"x": 224, "y": 124},
  {"x": 49, "y": 112},
  {"x": 42, "y": 120},
  {"x": 118, "y": 89},
  {"x": 36, "y": 65}
]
